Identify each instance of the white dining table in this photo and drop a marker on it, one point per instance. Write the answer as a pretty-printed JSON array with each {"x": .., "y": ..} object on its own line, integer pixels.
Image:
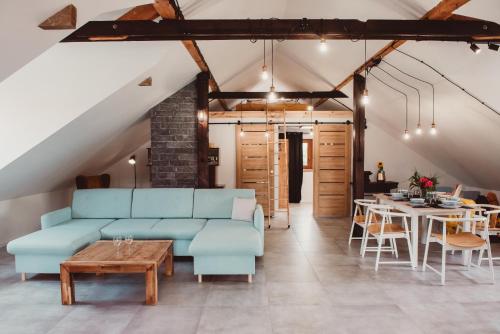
[{"x": 419, "y": 221}]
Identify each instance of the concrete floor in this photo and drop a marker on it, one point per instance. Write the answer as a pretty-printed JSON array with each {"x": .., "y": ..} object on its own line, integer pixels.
[{"x": 309, "y": 281}]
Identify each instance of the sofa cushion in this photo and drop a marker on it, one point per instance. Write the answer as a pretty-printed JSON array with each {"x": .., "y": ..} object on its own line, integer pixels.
[
  {"x": 178, "y": 229},
  {"x": 227, "y": 237},
  {"x": 217, "y": 203},
  {"x": 59, "y": 240},
  {"x": 94, "y": 224},
  {"x": 101, "y": 203},
  {"x": 138, "y": 228},
  {"x": 243, "y": 209},
  {"x": 162, "y": 203}
]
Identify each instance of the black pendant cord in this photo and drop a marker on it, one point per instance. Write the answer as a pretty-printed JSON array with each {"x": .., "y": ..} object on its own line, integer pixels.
[
  {"x": 397, "y": 90},
  {"x": 450, "y": 81},
  {"x": 421, "y": 80},
  {"x": 404, "y": 83},
  {"x": 272, "y": 63},
  {"x": 264, "y": 53}
]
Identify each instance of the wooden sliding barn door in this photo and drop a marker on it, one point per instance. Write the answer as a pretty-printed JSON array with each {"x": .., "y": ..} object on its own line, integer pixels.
[
  {"x": 332, "y": 170},
  {"x": 255, "y": 163}
]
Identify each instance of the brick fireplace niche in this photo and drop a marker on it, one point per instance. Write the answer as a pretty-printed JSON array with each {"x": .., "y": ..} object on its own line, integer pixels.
[{"x": 174, "y": 152}]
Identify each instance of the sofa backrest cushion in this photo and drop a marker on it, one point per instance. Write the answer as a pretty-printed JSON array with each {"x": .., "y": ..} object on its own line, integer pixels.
[
  {"x": 217, "y": 203},
  {"x": 101, "y": 203},
  {"x": 162, "y": 203}
]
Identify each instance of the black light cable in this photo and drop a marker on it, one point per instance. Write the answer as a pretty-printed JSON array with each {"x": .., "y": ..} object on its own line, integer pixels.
[
  {"x": 449, "y": 80},
  {"x": 419, "y": 127},
  {"x": 433, "y": 125},
  {"x": 406, "y": 133}
]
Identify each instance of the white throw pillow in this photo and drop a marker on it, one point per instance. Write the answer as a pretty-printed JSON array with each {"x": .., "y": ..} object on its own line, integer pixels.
[{"x": 243, "y": 208}]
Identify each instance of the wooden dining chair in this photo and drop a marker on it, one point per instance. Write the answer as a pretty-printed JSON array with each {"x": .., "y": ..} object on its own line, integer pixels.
[
  {"x": 465, "y": 241},
  {"x": 491, "y": 213},
  {"x": 359, "y": 217},
  {"x": 387, "y": 229}
]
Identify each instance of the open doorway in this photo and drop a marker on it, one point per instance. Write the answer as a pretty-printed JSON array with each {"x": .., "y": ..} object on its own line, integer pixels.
[{"x": 296, "y": 168}]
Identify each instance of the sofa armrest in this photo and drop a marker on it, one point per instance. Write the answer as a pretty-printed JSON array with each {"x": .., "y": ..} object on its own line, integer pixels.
[
  {"x": 258, "y": 221},
  {"x": 55, "y": 217}
]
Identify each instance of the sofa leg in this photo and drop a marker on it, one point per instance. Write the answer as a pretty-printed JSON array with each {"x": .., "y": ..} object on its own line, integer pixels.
[
  {"x": 249, "y": 278},
  {"x": 200, "y": 278},
  {"x": 23, "y": 276}
]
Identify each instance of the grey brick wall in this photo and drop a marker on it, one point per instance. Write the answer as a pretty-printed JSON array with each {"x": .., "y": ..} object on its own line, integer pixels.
[{"x": 173, "y": 140}]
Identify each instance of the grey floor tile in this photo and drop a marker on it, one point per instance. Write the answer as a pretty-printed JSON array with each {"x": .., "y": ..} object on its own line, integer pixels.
[
  {"x": 302, "y": 293},
  {"x": 164, "y": 319},
  {"x": 29, "y": 317},
  {"x": 238, "y": 295},
  {"x": 230, "y": 320},
  {"x": 301, "y": 319},
  {"x": 105, "y": 319}
]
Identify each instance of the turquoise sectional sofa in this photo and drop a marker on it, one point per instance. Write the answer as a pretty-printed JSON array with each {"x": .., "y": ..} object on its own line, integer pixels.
[{"x": 198, "y": 220}]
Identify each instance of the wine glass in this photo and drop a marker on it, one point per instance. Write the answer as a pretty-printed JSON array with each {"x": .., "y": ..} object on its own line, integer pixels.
[
  {"x": 117, "y": 240},
  {"x": 129, "y": 239}
]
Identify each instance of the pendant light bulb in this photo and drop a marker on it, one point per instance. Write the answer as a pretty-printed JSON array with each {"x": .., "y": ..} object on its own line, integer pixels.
[
  {"x": 311, "y": 132},
  {"x": 406, "y": 135},
  {"x": 433, "y": 129},
  {"x": 242, "y": 133},
  {"x": 266, "y": 134},
  {"x": 418, "y": 131},
  {"x": 310, "y": 107},
  {"x": 264, "y": 75},
  {"x": 365, "y": 99},
  {"x": 272, "y": 94},
  {"x": 323, "y": 47}
]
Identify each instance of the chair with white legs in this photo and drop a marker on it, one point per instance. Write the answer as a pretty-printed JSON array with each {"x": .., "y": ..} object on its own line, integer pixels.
[
  {"x": 491, "y": 212},
  {"x": 464, "y": 241},
  {"x": 387, "y": 229},
  {"x": 361, "y": 219},
  {"x": 360, "y": 216}
]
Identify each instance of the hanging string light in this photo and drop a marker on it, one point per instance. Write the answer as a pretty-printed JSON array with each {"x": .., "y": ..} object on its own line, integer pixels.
[
  {"x": 365, "y": 99},
  {"x": 433, "y": 129},
  {"x": 418, "y": 131},
  {"x": 272, "y": 91},
  {"x": 264, "y": 75},
  {"x": 406, "y": 134},
  {"x": 312, "y": 126},
  {"x": 323, "y": 47},
  {"x": 242, "y": 132}
]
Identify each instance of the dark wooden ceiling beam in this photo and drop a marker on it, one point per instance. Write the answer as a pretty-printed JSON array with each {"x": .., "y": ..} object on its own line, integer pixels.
[
  {"x": 286, "y": 95},
  {"x": 142, "y": 12},
  {"x": 63, "y": 19},
  {"x": 169, "y": 11},
  {"x": 442, "y": 11},
  {"x": 305, "y": 29}
]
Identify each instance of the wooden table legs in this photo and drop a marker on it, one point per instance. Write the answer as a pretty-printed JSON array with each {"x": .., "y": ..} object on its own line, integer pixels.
[
  {"x": 169, "y": 262},
  {"x": 151, "y": 286},
  {"x": 67, "y": 287}
]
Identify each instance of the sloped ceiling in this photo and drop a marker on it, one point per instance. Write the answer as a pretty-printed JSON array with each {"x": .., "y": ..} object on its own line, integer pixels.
[
  {"x": 76, "y": 107},
  {"x": 22, "y": 40}
]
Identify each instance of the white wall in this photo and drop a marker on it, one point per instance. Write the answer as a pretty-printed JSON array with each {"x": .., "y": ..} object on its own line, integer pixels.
[
  {"x": 122, "y": 173},
  {"x": 20, "y": 216},
  {"x": 399, "y": 160},
  {"x": 223, "y": 137},
  {"x": 307, "y": 187}
]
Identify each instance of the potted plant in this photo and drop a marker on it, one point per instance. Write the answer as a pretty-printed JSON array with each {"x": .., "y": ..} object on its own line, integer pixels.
[{"x": 423, "y": 183}]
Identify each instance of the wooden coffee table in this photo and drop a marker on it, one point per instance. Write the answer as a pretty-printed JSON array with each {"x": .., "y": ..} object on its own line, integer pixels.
[{"x": 102, "y": 258}]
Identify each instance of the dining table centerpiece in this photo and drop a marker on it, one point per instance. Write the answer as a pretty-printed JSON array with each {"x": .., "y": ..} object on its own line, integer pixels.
[{"x": 423, "y": 183}]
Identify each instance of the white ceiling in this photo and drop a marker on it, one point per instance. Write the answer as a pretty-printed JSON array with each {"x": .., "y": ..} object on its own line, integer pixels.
[
  {"x": 76, "y": 107},
  {"x": 467, "y": 130}
]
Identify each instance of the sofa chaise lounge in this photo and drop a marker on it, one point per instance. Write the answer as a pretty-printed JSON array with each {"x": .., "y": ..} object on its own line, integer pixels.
[{"x": 198, "y": 220}]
